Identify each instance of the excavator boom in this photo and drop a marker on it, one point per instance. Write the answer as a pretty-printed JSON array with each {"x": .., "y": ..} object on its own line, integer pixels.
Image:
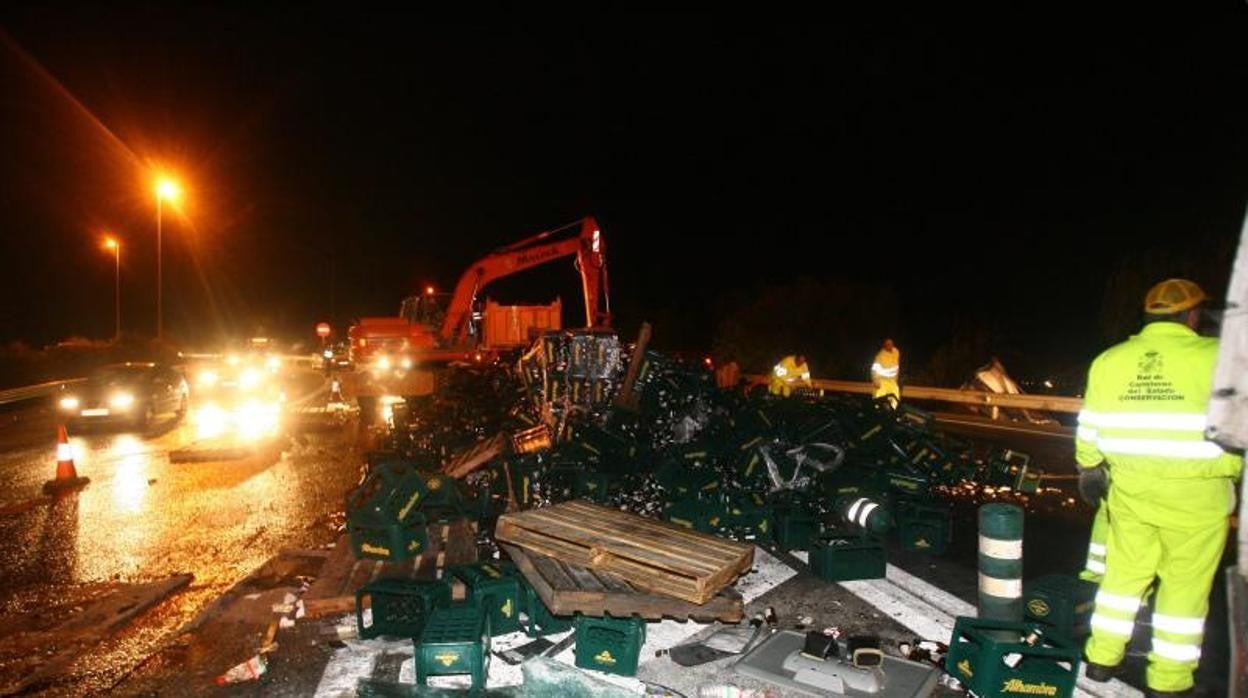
[{"x": 588, "y": 247}]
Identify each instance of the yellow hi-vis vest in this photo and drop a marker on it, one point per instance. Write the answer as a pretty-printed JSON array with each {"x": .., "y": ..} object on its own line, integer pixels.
[
  {"x": 887, "y": 365},
  {"x": 1144, "y": 410},
  {"x": 787, "y": 374}
]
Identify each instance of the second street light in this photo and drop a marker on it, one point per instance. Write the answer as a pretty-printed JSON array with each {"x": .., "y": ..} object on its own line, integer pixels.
[
  {"x": 166, "y": 189},
  {"x": 112, "y": 243}
]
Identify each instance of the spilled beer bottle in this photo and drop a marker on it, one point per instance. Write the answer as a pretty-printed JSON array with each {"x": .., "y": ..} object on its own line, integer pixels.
[{"x": 1013, "y": 658}]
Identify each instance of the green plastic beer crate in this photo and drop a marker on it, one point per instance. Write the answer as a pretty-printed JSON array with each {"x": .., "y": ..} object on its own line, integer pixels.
[
  {"x": 749, "y": 516},
  {"x": 704, "y": 516},
  {"x": 925, "y": 527},
  {"x": 609, "y": 644},
  {"x": 455, "y": 640},
  {"x": 383, "y": 514},
  {"x": 795, "y": 528},
  {"x": 843, "y": 557},
  {"x": 398, "y": 607},
  {"x": 977, "y": 658},
  {"x": 443, "y": 493},
  {"x": 538, "y": 618},
  {"x": 498, "y": 588},
  {"x": 903, "y": 480},
  {"x": 593, "y": 486},
  {"x": 1062, "y": 601},
  {"x": 388, "y": 540}
]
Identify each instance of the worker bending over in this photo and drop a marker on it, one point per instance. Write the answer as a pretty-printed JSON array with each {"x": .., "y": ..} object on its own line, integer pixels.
[
  {"x": 791, "y": 372},
  {"x": 886, "y": 371},
  {"x": 1168, "y": 492}
]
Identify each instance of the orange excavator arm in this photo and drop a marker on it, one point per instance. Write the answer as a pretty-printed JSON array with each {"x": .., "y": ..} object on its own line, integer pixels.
[{"x": 588, "y": 247}]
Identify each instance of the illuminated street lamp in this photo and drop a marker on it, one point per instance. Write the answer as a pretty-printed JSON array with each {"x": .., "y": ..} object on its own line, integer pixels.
[
  {"x": 112, "y": 243},
  {"x": 166, "y": 189}
]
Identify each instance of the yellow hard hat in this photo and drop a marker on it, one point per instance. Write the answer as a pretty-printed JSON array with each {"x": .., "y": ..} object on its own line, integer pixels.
[{"x": 1173, "y": 296}]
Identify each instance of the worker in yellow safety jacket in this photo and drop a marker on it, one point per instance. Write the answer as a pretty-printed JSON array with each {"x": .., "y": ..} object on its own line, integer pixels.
[
  {"x": 886, "y": 370},
  {"x": 791, "y": 372},
  {"x": 1168, "y": 492}
]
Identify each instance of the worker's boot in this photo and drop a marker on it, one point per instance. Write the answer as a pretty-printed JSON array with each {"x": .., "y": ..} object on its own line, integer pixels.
[{"x": 1100, "y": 672}]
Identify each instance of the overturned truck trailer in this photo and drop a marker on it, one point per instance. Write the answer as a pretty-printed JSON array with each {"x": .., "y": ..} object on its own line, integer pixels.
[{"x": 1228, "y": 425}]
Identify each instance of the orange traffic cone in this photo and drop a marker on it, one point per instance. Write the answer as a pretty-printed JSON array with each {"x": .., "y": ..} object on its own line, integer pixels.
[{"x": 66, "y": 474}]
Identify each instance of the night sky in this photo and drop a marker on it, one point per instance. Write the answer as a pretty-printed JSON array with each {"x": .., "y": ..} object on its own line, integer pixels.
[{"x": 988, "y": 171}]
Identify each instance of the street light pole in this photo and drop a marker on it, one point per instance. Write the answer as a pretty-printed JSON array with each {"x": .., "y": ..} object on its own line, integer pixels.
[
  {"x": 160, "y": 318},
  {"x": 115, "y": 245},
  {"x": 165, "y": 189}
]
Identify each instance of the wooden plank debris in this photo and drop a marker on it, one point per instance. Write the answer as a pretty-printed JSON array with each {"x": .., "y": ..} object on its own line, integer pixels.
[
  {"x": 333, "y": 591},
  {"x": 655, "y": 556},
  {"x": 567, "y": 589}
]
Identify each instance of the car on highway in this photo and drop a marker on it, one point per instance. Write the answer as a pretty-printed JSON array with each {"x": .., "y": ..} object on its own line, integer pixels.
[
  {"x": 238, "y": 395},
  {"x": 132, "y": 394}
]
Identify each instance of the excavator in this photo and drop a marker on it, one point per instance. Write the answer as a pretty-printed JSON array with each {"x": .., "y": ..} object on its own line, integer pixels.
[{"x": 399, "y": 356}]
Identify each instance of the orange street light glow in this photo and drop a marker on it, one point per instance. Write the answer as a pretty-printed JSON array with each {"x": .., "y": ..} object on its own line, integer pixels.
[
  {"x": 428, "y": 290},
  {"x": 111, "y": 243},
  {"x": 167, "y": 189}
]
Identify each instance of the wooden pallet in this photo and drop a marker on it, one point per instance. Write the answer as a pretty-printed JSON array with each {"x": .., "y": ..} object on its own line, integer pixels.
[
  {"x": 334, "y": 589},
  {"x": 568, "y": 589},
  {"x": 654, "y": 556},
  {"x": 476, "y": 456}
]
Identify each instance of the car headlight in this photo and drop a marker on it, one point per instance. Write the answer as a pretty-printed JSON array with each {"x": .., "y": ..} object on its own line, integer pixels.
[
  {"x": 69, "y": 403},
  {"x": 207, "y": 378},
  {"x": 249, "y": 378},
  {"x": 121, "y": 400},
  {"x": 273, "y": 363},
  {"x": 405, "y": 363},
  {"x": 383, "y": 363},
  {"x": 328, "y": 353}
]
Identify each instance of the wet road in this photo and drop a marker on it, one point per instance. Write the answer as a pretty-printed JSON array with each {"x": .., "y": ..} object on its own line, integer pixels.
[{"x": 143, "y": 518}]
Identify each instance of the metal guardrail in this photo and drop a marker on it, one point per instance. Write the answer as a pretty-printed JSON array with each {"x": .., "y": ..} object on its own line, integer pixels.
[
  {"x": 31, "y": 392},
  {"x": 1050, "y": 403}
]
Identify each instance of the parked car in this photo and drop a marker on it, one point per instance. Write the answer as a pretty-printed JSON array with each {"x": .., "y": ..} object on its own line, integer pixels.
[{"x": 133, "y": 394}]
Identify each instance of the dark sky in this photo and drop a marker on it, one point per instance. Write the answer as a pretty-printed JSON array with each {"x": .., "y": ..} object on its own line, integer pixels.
[{"x": 990, "y": 169}]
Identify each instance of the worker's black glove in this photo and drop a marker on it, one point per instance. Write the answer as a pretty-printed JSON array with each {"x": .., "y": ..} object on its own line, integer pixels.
[{"x": 1093, "y": 484}]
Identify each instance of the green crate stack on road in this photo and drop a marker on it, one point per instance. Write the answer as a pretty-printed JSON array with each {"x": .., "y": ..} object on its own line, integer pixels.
[
  {"x": 1062, "y": 601},
  {"x": 925, "y": 527},
  {"x": 398, "y": 607},
  {"x": 498, "y": 588},
  {"x": 843, "y": 556},
  {"x": 989, "y": 666},
  {"x": 609, "y": 644},
  {"x": 455, "y": 640},
  {"x": 383, "y": 514}
]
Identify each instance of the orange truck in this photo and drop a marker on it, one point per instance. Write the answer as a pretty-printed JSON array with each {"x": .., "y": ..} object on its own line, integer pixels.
[{"x": 399, "y": 356}]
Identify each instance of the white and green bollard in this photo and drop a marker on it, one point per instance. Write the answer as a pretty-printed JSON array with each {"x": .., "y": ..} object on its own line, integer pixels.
[{"x": 1001, "y": 562}]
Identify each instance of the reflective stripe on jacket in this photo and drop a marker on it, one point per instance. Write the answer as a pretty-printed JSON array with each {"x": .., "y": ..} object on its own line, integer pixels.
[
  {"x": 1144, "y": 411},
  {"x": 887, "y": 364}
]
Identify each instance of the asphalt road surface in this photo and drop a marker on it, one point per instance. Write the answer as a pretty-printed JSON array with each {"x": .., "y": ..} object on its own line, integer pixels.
[{"x": 144, "y": 518}]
